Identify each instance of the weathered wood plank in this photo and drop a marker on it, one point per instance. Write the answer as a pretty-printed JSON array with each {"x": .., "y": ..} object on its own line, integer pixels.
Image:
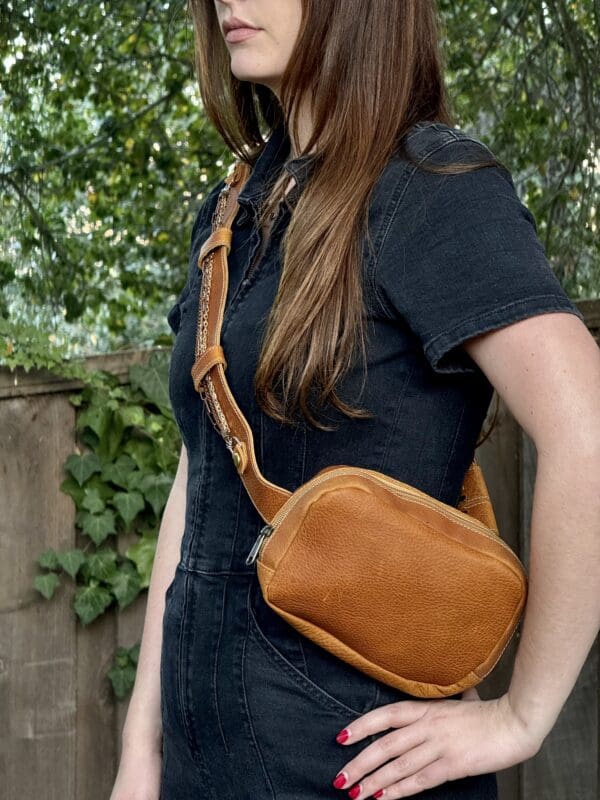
[
  {"x": 38, "y": 687},
  {"x": 19, "y": 383},
  {"x": 96, "y": 763}
]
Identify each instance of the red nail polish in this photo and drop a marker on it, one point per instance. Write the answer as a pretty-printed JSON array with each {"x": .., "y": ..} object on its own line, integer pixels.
[
  {"x": 340, "y": 780},
  {"x": 342, "y": 736},
  {"x": 378, "y": 793},
  {"x": 354, "y": 791}
]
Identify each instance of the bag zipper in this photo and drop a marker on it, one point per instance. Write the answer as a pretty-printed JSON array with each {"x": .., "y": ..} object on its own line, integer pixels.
[
  {"x": 268, "y": 529},
  {"x": 265, "y": 531}
]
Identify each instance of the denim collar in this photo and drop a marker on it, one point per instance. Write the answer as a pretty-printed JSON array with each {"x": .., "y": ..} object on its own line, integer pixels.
[{"x": 274, "y": 157}]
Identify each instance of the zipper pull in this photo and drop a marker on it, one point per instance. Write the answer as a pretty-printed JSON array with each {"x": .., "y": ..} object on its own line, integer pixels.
[{"x": 265, "y": 531}]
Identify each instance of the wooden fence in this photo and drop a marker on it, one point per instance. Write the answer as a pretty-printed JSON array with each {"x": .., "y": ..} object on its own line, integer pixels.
[{"x": 61, "y": 725}]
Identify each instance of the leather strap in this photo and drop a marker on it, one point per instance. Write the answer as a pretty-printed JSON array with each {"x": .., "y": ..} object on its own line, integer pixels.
[
  {"x": 208, "y": 371},
  {"x": 220, "y": 236}
]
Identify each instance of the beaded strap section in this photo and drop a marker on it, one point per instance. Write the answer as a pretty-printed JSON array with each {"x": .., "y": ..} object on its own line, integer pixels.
[{"x": 205, "y": 385}]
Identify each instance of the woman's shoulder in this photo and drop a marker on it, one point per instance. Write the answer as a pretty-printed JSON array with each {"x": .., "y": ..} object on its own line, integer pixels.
[
  {"x": 412, "y": 187},
  {"x": 439, "y": 144},
  {"x": 426, "y": 139}
]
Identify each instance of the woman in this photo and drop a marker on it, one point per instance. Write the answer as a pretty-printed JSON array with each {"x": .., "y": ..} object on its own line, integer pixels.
[{"x": 352, "y": 204}]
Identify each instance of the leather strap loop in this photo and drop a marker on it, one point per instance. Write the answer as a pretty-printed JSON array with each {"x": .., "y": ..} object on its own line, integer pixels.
[
  {"x": 219, "y": 237},
  {"x": 211, "y": 356}
]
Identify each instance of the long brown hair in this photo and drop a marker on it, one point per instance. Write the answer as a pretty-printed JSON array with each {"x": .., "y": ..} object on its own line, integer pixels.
[{"x": 365, "y": 98}]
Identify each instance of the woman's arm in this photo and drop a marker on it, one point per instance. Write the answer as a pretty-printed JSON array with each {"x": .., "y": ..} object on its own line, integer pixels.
[
  {"x": 143, "y": 728},
  {"x": 547, "y": 368}
]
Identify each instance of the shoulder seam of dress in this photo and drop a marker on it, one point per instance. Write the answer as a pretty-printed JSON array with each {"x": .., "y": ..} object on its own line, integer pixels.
[{"x": 393, "y": 216}]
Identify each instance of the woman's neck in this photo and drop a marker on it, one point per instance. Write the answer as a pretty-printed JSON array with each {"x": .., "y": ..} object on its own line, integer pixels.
[{"x": 305, "y": 129}]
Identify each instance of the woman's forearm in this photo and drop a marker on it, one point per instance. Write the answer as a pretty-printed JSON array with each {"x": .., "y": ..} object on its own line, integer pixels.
[
  {"x": 562, "y": 614},
  {"x": 143, "y": 727}
]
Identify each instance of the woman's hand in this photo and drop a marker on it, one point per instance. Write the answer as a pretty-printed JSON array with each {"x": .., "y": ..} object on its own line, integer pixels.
[{"x": 433, "y": 742}]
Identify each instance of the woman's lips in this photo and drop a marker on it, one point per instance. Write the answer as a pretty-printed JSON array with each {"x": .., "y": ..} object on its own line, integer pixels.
[{"x": 240, "y": 34}]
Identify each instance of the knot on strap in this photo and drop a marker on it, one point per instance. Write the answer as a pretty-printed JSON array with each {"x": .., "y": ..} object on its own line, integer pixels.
[
  {"x": 219, "y": 237},
  {"x": 211, "y": 356}
]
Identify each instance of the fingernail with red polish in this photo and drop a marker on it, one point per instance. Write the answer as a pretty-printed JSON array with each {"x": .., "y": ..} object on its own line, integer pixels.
[
  {"x": 340, "y": 780},
  {"x": 378, "y": 793},
  {"x": 342, "y": 736},
  {"x": 355, "y": 791}
]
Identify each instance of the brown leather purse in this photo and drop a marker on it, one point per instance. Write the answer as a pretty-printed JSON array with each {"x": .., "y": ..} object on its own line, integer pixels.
[{"x": 418, "y": 594}]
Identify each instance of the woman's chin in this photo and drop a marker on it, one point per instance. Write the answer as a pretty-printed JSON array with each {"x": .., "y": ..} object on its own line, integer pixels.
[{"x": 244, "y": 72}]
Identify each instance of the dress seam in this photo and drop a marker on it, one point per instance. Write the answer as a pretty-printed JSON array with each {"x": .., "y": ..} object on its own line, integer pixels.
[{"x": 265, "y": 772}]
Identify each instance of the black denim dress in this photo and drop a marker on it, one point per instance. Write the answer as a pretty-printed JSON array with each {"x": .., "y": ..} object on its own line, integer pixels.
[{"x": 250, "y": 708}]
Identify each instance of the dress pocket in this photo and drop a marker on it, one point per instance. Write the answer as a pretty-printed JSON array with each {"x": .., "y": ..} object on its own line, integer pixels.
[
  {"x": 294, "y": 723},
  {"x": 330, "y": 680}
]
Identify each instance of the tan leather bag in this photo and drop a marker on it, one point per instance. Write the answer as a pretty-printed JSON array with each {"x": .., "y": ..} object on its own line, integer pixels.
[{"x": 418, "y": 594}]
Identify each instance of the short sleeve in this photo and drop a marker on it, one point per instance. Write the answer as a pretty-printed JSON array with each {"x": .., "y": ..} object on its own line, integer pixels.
[{"x": 462, "y": 257}]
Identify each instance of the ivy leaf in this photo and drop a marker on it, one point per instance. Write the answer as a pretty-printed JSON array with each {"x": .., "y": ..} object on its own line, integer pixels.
[
  {"x": 152, "y": 379},
  {"x": 156, "y": 490},
  {"x": 132, "y": 415},
  {"x": 142, "y": 555},
  {"x": 156, "y": 425},
  {"x": 98, "y": 526},
  {"x": 136, "y": 479},
  {"x": 102, "y": 565},
  {"x": 92, "y": 501},
  {"x": 142, "y": 452},
  {"x": 48, "y": 559},
  {"x": 122, "y": 673},
  {"x": 128, "y": 504},
  {"x": 165, "y": 455},
  {"x": 73, "y": 489},
  {"x": 104, "y": 490},
  {"x": 96, "y": 417},
  {"x": 81, "y": 467},
  {"x": 46, "y": 584},
  {"x": 91, "y": 601},
  {"x": 119, "y": 471},
  {"x": 134, "y": 652},
  {"x": 71, "y": 561},
  {"x": 122, "y": 680},
  {"x": 109, "y": 445},
  {"x": 126, "y": 585},
  {"x": 122, "y": 657}
]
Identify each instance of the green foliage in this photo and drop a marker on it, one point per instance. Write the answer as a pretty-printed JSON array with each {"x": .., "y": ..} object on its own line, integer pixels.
[
  {"x": 105, "y": 157},
  {"x": 106, "y": 152},
  {"x": 119, "y": 479},
  {"x": 46, "y": 584},
  {"x": 122, "y": 674}
]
